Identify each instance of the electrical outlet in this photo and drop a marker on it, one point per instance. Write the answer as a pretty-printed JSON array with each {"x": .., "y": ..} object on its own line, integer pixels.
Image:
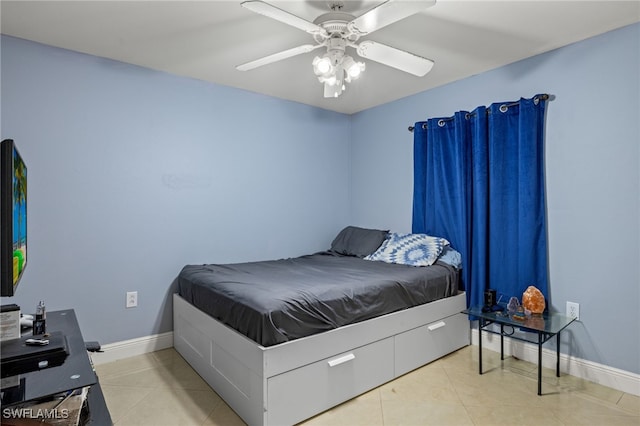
[
  {"x": 132, "y": 299},
  {"x": 573, "y": 310}
]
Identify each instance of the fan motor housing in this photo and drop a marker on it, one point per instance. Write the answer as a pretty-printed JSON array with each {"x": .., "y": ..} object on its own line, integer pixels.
[{"x": 334, "y": 22}]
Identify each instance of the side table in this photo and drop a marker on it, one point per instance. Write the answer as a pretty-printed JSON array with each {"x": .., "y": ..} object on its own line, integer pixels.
[{"x": 545, "y": 326}]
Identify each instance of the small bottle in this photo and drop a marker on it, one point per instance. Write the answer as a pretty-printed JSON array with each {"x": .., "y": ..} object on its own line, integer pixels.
[{"x": 40, "y": 321}]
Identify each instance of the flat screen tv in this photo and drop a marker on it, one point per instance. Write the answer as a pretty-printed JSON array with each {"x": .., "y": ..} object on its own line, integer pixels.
[{"x": 13, "y": 217}]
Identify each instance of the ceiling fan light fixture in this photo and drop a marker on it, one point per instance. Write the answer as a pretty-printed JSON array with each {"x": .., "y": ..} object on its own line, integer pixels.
[
  {"x": 322, "y": 66},
  {"x": 331, "y": 80},
  {"x": 334, "y": 72},
  {"x": 352, "y": 68},
  {"x": 334, "y": 85}
]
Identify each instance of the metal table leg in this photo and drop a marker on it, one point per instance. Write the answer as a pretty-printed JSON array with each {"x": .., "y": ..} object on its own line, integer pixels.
[
  {"x": 558, "y": 355},
  {"x": 501, "y": 342},
  {"x": 480, "y": 324},
  {"x": 539, "y": 363}
]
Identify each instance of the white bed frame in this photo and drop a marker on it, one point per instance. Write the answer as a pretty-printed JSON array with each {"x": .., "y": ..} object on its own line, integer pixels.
[{"x": 290, "y": 382}]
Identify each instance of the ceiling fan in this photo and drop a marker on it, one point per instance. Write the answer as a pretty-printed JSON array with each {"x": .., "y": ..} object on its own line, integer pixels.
[{"x": 337, "y": 30}]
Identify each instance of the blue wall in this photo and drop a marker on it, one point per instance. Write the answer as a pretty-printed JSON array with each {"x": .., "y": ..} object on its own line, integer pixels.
[
  {"x": 592, "y": 177},
  {"x": 135, "y": 173}
]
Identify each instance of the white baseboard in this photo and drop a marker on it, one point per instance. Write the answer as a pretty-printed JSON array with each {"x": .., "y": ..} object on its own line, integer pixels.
[
  {"x": 614, "y": 378},
  {"x": 133, "y": 347}
]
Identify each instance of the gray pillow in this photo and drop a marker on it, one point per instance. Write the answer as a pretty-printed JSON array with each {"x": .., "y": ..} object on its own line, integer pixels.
[{"x": 360, "y": 242}]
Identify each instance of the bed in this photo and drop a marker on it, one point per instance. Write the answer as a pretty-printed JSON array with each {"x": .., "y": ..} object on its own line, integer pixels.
[{"x": 283, "y": 340}]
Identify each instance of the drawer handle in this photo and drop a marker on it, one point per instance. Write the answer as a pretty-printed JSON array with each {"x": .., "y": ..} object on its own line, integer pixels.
[
  {"x": 436, "y": 326},
  {"x": 341, "y": 360}
]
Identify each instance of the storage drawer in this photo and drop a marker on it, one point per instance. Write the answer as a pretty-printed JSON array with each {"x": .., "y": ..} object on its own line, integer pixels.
[
  {"x": 297, "y": 394},
  {"x": 422, "y": 345}
]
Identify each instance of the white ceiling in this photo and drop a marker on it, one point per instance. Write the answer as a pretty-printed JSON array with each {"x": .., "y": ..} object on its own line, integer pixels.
[{"x": 207, "y": 39}]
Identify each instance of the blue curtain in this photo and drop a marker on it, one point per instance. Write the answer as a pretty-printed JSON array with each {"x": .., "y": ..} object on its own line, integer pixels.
[{"x": 479, "y": 182}]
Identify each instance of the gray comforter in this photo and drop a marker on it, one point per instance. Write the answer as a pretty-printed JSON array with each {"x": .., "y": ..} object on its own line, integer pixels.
[{"x": 276, "y": 301}]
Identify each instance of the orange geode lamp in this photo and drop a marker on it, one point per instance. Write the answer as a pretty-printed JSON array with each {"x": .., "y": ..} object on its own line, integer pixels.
[{"x": 533, "y": 300}]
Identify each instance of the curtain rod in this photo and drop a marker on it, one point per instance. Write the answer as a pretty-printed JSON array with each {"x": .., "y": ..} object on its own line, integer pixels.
[{"x": 503, "y": 107}]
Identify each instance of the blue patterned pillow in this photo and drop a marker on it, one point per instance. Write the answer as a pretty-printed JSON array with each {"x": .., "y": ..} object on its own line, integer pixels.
[{"x": 409, "y": 249}]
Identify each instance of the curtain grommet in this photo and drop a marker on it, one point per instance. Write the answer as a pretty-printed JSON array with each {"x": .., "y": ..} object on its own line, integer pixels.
[
  {"x": 504, "y": 108},
  {"x": 441, "y": 123}
]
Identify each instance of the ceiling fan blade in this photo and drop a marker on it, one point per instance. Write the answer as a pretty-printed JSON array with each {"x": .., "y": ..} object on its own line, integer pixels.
[
  {"x": 396, "y": 58},
  {"x": 277, "y": 57},
  {"x": 387, "y": 13},
  {"x": 283, "y": 16}
]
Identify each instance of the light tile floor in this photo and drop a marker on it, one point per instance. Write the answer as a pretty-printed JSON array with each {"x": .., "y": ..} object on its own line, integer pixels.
[{"x": 161, "y": 389}]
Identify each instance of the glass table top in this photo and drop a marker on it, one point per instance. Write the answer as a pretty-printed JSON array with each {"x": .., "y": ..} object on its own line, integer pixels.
[{"x": 551, "y": 323}]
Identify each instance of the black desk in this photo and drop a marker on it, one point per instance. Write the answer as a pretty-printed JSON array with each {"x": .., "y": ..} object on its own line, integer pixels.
[
  {"x": 545, "y": 326},
  {"x": 76, "y": 372}
]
